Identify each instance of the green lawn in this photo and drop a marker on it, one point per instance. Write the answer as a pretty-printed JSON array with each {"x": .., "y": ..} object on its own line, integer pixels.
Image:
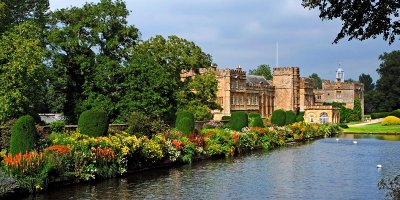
[{"x": 373, "y": 128}]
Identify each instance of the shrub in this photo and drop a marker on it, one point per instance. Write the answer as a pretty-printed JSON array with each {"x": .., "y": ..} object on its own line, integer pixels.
[
  {"x": 23, "y": 135},
  {"x": 226, "y": 118},
  {"x": 184, "y": 122},
  {"x": 357, "y": 110},
  {"x": 138, "y": 122},
  {"x": 255, "y": 120},
  {"x": 57, "y": 126},
  {"x": 238, "y": 120},
  {"x": 278, "y": 117},
  {"x": 300, "y": 117},
  {"x": 391, "y": 120},
  {"x": 379, "y": 115},
  {"x": 395, "y": 113},
  {"x": 290, "y": 117},
  {"x": 93, "y": 123}
]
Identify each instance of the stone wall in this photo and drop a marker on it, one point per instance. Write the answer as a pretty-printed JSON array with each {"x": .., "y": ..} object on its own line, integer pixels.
[{"x": 287, "y": 88}]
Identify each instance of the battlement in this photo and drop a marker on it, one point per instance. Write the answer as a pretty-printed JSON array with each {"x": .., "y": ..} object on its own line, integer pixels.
[
  {"x": 284, "y": 71},
  {"x": 330, "y": 85}
]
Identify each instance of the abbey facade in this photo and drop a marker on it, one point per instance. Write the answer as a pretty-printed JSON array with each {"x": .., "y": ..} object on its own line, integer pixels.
[{"x": 238, "y": 91}]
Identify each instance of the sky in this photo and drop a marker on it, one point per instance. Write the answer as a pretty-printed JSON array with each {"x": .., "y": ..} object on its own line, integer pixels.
[{"x": 247, "y": 33}]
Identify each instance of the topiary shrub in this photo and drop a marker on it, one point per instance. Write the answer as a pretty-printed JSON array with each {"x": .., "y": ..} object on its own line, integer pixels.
[
  {"x": 255, "y": 120},
  {"x": 278, "y": 117},
  {"x": 93, "y": 123},
  {"x": 238, "y": 120},
  {"x": 300, "y": 117},
  {"x": 395, "y": 113},
  {"x": 290, "y": 117},
  {"x": 391, "y": 120},
  {"x": 23, "y": 135},
  {"x": 184, "y": 122}
]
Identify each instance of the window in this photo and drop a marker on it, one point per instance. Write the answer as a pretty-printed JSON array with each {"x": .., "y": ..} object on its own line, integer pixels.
[
  {"x": 237, "y": 100},
  {"x": 319, "y": 97},
  {"x": 232, "y": 100},
  {"x": 311, "y": 118},
  {"x": 323, "y": 118},
  {"x": 241, "y": 101},
  {"x": 338, "y": 94},
  {"x": 248, "y": 100}
]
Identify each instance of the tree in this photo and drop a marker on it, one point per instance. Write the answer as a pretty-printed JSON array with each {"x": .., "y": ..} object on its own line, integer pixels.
[
  {"x": 200, "y": 96},
  {"x": 317, "y": 82},
  {"x": 15, "y": 12},
  {"x": 22, "y": 72},
  {"x": 361, "y": 19},
  {"x": 159, "y": 63},
  {"x": 367, "y": 81},
  {"x": 262, "y": 70},
  {"x": 349, "y": 80},
  {"x": 388, "y": 84},
  {"x": 90, "y": 49}
]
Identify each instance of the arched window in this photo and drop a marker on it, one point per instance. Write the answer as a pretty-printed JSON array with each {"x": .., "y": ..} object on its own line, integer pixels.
[
  {"x": 323, "y": 118},
  {"x": 311, "y": 117}
]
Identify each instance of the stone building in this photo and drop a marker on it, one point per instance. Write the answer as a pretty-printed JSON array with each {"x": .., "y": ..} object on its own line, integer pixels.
[{"x": 238, "y": 91}]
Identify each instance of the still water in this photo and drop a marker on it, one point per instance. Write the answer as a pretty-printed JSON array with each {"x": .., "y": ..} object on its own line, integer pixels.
[{"x": 323, "y": 169}]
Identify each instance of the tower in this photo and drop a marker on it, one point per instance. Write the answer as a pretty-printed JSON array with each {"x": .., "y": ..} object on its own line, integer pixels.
[
  {"x": 340, "y": 75},
  {"x": 287, "y": 88}
]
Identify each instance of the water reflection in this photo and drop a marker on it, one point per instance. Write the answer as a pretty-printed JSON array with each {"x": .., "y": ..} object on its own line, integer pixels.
[
  {"x": 324, "y": 169},
  {"x": 371, "y": 136}
]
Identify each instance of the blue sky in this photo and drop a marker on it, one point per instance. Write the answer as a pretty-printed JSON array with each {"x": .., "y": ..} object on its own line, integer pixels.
[{"x": 245, "y": 33}]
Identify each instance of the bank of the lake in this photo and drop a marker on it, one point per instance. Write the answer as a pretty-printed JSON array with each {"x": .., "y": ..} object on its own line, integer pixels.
[
  {"x": 373, "y": 128},
  {"x": 321, "y": 169},
  {"x": 78, "y": 158}
]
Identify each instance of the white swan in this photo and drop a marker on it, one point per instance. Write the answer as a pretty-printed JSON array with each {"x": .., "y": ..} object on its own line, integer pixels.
[
  {"x": 378, "y": 166},
  {"x": 337, "y": 139},
  {"x": 354, "y": 142}
]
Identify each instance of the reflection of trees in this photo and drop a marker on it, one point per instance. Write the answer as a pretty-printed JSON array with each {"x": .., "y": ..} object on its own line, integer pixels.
[{"x": 392, "y": 187}]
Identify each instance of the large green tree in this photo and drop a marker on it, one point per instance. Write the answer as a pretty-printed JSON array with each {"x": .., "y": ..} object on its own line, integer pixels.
[
  {"x": 262, "y": 70},
  {"x": 90, "y": 47},
  {"x": 367, "y": 81},
  {"x": 15, "y": 12},
  {"x": 361, "y": 19},
  {"x": 22, "y": 72},
  {"x": 154, "y": 85},
  {"x": 388, "y": 84},
  {"x": 317, "y": 82}
]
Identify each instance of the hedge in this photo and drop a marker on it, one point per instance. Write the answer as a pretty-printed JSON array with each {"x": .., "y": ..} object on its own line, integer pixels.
[
  {"x": 184, "y": 121},
  {"x": 23, "y": 135},
  {"x": 93, "y": 123},
  {"x": 238, "y": 120},
  {"x": 255, "y": 120},
  {"x": 278, "y": 117},
  {"x": 290, "y": 117}
]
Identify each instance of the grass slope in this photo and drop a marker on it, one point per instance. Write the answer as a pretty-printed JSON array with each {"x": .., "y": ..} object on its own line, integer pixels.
[{"x": 373, "y": 128}]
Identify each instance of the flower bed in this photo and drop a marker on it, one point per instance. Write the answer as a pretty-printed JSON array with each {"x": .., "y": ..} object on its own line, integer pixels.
[{"x": 81, "y": 158}]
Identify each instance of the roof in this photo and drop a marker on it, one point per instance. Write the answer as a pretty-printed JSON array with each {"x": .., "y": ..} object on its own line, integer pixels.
[{"x": 254, "y": 79}]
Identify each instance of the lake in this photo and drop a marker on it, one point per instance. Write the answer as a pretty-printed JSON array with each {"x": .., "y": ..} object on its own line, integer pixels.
[{"x": 322, "y": 169}]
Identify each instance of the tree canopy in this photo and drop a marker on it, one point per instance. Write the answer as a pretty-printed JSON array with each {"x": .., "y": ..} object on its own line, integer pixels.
[
  {"x": 389, "y": 83},
  {"x": 22, "y": 72},
  {"x": 89, "y": 48},
  {"x": 317, "y": 82},
  {"x": 361, "y": 19},
  {"x": 367, "y": 81},
  {"x": 15, "y": 12},
  {"x": 262, "y": 70}
]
